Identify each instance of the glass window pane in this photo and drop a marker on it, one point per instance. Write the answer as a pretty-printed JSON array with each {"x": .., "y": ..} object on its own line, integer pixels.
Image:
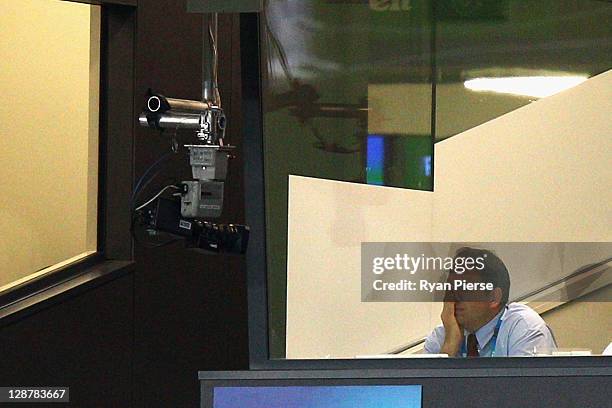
[
  {"x": 536, "y": 174},
  {"x": 49, "y": 114},
  {"x": 494, "y": 56},
  {"x": 347, "y": 96}
]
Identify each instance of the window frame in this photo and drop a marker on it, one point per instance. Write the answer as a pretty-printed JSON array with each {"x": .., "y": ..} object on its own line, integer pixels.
[
  {"x": 114, "y": 254},
  {"x": 257, "y": 278}
]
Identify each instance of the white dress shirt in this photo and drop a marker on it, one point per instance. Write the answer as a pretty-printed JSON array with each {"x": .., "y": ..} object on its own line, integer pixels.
[{"x": 522, "y": 333}]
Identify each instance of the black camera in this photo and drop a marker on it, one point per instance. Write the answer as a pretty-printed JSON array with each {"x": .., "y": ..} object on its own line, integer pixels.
[{"x": 201, "y": 235}]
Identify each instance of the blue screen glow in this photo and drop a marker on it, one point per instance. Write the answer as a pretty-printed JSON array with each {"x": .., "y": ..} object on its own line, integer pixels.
[
  {"x": 375, "y": 166},
  {"x": 427, "y": 166},
  {"x": 372, "y": 396}
]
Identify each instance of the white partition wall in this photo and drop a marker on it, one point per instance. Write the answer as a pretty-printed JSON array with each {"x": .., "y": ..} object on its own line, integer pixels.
[{"x": 538, "y": 174}]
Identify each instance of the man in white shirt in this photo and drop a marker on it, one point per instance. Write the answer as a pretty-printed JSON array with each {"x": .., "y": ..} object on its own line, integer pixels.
[{"x": 482, "y": 323}]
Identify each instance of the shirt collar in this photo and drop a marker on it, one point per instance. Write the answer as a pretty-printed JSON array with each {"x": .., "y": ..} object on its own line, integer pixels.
[{"x": 484, "y": 334}]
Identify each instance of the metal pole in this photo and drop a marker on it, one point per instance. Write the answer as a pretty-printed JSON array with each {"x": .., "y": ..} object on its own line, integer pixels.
[
  {"x": 161, "y": 104},
  {"x": 171, "y": 120},
  {"x": 209, "y": 37}
]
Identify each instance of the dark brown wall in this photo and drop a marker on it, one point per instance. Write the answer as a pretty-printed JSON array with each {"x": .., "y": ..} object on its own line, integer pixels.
[
  {"x": 83, "y": 342},
  {"x": 139, "y": 340},
  {"x": 190, "y": 308}
]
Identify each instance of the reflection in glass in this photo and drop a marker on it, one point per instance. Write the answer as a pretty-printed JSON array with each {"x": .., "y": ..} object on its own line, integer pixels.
[
  {"x": 346, "y": 96},
  {"x": 536, "y": 86},
  {"x": 496, "y": 56},
  {"x": 350, "y": 87}
]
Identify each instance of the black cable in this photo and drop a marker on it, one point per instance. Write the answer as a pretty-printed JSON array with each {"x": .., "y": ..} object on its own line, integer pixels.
[
  {"x": 145, "y": 244},
  {"x": 152, "y": 167},
  {"x": 156, "y": 197},
  {"x": 140, "y": 186},
  {"x": 144, "y": 187}
]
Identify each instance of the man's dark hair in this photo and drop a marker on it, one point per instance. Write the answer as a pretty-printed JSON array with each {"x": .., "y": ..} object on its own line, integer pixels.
[{"x": 494, "y": 270}]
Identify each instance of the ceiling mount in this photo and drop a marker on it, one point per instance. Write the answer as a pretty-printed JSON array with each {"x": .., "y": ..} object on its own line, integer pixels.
[{"x": 224, "y": 6}]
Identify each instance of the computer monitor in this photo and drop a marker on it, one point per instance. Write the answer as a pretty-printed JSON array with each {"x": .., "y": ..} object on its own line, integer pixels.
[{"x": 250, "y": 390}]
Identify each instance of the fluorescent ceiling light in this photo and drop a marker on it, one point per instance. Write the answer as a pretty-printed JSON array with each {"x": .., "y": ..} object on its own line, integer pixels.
[{"x": 533, "y": 86}]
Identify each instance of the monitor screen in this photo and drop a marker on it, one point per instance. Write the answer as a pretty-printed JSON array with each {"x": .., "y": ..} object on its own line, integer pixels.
[{"x": 318, "y": 396}]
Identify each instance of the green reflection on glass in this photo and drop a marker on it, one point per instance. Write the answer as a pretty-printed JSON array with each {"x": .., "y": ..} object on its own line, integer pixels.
[
  {"x": 321, "y": 60},
  {"x": 529, "y": 46}
]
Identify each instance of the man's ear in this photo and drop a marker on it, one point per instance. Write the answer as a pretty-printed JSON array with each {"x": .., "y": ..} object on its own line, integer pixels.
[{"x": 496, "y": 298}]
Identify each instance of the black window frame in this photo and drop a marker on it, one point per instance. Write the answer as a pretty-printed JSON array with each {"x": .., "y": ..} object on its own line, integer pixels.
[
  {"x": 259, "y": 354},
  {"x": 114, "y": 255}
]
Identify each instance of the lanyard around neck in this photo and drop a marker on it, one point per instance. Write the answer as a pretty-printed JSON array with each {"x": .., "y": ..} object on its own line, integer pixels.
[{"x": 492, "y": 341}]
